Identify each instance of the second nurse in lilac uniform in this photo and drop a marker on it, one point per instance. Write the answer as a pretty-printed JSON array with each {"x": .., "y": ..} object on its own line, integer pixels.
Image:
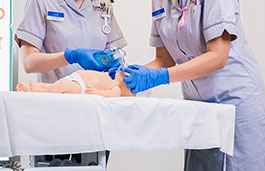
[{"x": 215, "y": 64}]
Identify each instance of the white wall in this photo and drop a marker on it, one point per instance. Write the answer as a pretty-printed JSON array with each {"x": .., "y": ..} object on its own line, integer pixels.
[
  {"x": 135, "y": 21},
  {"x": 254, "y": 25},
  {"x": 18, "y": 7}
]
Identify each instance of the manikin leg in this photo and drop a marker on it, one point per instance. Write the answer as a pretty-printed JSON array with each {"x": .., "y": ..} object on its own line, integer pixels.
[
  {"x": 61, "y": 86},
  {"x": 114, "y": 92}
]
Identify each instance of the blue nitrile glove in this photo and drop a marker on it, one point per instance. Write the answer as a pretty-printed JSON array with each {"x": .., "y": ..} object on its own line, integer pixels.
[
  {"x": 85, "y": 58},
  {"x": 142, "y": 78},
  {"x": 114, "y": 68}
]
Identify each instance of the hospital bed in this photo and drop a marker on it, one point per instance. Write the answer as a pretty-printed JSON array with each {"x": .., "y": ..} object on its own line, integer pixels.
[{"x": 40, "y": 124}]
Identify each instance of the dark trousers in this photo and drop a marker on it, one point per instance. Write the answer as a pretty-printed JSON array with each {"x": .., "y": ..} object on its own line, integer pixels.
[
  {"x": 76, "y": 157},
  {"x": 204, "y": 160}
]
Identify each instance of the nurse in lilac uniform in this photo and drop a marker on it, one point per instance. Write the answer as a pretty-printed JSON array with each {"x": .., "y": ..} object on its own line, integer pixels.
[
  {"x": 59, "y": 37},
  {"x": 215, "y": 64},
  {"x": 50, "y": 27}
]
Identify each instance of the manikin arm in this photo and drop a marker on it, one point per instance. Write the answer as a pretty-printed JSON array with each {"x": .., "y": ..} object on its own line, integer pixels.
[{"x": 114, "y": 92}]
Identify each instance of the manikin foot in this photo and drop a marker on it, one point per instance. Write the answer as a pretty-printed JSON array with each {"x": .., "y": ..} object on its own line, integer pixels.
[
  {"x": 22, "y": 87},
  {"x": 35, "y": 87}
]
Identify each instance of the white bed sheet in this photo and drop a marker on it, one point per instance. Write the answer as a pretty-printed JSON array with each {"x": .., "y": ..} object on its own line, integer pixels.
[{"x": 39, "y": 123}]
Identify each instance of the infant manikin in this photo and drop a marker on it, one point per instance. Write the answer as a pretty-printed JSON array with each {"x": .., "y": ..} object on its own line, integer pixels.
[{"x": 83, "y": 82}]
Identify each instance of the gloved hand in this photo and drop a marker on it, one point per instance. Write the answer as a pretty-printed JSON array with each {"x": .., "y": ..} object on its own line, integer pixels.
[
  {"x": 142, "y": 78},
  {"x": 114, "y": 68},
  {"x": 85, "y": 58}
]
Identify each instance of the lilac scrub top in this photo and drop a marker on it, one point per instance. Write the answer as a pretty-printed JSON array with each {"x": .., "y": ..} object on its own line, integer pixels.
[
  {"x": 81, "y": 28},
  {"x": 238, "y": 83}
]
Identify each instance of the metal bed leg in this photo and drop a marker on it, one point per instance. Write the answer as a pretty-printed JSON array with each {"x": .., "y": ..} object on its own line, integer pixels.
[{"x": 102, "y": 160}]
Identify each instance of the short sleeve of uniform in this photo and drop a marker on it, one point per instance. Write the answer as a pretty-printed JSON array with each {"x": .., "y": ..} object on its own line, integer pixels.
[
  {"x": 115, "y": 38},
  {"x": 155, "y": 39},
  {"x": 32, "y": 29},
  {"x": 218, "y": 16}
]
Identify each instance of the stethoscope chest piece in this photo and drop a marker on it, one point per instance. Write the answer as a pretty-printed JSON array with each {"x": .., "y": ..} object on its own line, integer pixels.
[{"x": 106, "y": 29}]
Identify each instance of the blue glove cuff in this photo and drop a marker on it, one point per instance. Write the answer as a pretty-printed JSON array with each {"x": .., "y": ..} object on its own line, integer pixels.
[
  {"x": 67, "y": 55},
  {"x": 164, "y": 76}
]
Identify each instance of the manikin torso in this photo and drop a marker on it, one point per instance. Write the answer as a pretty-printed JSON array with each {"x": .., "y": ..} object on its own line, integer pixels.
[
  {"x": 99, "y": 80},
  {"x": 102, "y": 81}
]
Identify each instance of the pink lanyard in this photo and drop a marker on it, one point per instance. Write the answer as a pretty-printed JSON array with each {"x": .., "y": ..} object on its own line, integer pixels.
[{"x": 182, "y": 20}]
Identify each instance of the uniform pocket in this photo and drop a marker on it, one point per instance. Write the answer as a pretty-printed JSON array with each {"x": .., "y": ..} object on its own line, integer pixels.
[
  {"x": 243, "y": 93},
  {"x": 56, "y": 36},
  {"x": 233, "y": 90}
]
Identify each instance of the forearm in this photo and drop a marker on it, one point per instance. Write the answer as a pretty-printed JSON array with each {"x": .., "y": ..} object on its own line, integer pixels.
[
  {"x": 35, "y": 62},
  {"x": 198, "y": 67},
  {"x": 163, "y": 59},
  {"x": 156, "y": 64},
  {"x": 214, "y": 59},
  {"x": 42, "y": 62}
]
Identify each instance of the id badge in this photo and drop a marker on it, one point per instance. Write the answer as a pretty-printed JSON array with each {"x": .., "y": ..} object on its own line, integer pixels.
[
  {"x": 158, "y": 14},
  {"x": 55, "y": 16}
]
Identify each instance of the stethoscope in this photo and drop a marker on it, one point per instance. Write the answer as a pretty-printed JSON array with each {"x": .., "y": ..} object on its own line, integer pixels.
[
  {"x": 182, "y": 20},
  {"x": 183, "y": 17},
  {"x": 183, "y": 10},
  {"x": 105, "y": 7},
  {"x": 161, "y": 13}
]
